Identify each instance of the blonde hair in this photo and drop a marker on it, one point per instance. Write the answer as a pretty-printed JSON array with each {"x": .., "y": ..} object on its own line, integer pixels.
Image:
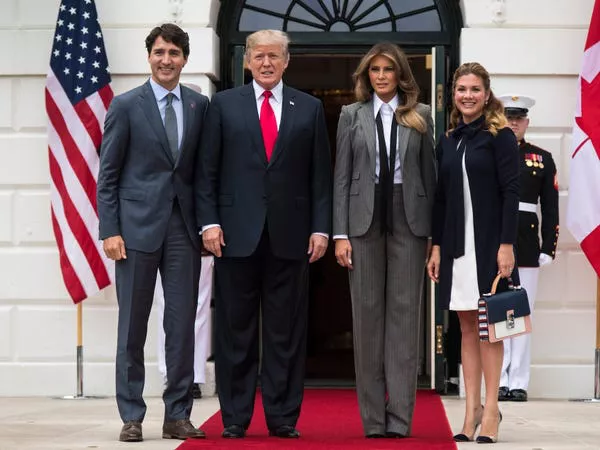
[
  {"x": 492, "y": 109},
  {"x": 408, "y": 90},
  {"x": 268, "y": 37}
]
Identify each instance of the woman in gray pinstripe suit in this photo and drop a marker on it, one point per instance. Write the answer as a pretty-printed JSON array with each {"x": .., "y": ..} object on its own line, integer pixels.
[{"x": 381, "y": 222}]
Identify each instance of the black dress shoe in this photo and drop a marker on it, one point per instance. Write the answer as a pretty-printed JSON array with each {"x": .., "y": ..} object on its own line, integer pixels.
[
  {"x": 394, "y": 435},
  {"x": 196, "y": 392},
  {"x": 374, "y": 435},
  {"x": 518, "y": 395},
  {"x": 503, "y": 394},
  {"x": 285, "y": 431},
  {"x": 131, "y": 431},
  {"x": 234, "y": 432}
]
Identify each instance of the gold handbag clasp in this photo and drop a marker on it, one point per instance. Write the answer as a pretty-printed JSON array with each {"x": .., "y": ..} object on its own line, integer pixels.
[{"x": 510, "y": 319}]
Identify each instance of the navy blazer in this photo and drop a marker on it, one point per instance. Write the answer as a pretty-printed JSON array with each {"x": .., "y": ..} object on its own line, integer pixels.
[
  {"x": 138, "y": 179},
  {"x": 238, "y": 189},
  {"x": 492, "y": 165}
]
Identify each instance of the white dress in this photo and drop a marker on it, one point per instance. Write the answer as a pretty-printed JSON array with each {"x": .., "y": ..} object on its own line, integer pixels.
[{"x": 464, "y": 295}]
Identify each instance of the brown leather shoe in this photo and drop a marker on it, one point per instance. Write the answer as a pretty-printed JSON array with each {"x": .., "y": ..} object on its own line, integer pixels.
[
  {"x": 181, "y": 429},
  {"x": 131, "y": 431}
]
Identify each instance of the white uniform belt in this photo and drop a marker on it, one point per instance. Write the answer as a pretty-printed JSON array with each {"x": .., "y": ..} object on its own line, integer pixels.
[{"x": 527, "y": 207}]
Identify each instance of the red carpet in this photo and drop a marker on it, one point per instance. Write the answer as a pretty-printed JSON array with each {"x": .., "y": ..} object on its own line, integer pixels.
[{"x": 330, "y": 419}]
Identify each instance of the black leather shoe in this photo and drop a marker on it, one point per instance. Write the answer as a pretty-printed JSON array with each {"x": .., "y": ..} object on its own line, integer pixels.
[
  {"x": 394, "y": 435},
  {"x": 234, "y": 432},
  {"x": 131, "y": 431},
  {"x": 285, "y": 431},
  {"x": 374, "y": 435},
  {"x": 196, "y": 392},
  {"x": 503, "y": 394},
  {"x": 181, "y": 429},
  {"x": 518, "y": 395}
]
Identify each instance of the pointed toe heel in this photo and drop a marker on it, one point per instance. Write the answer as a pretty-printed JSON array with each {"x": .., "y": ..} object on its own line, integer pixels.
[
  {"x": 461, "y": 437},
  {"x": 490, "y": 439}
]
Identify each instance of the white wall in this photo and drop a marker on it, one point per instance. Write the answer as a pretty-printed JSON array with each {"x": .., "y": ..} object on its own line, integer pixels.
[
  {"x": 536, "y": 50},
  {"x": 37, "y": 318}
]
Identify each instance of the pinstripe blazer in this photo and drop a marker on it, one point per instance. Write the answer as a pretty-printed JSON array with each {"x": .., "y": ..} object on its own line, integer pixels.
[{"x": 354, "y": 180}]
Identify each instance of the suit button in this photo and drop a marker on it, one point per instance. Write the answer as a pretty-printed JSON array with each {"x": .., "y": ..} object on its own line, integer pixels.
[{"x": 532, "y": 226}]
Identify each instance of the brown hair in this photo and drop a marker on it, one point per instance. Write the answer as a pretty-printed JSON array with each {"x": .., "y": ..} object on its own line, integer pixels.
[
  {"x": 170, "y": 33},
  {"x": 493, "y": 108},
  {"x": 408, "y": 90}
]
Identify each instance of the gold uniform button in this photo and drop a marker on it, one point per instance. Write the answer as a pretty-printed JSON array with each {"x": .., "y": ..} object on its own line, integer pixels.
[
  {"x": 532, "y": 226},
  {"x": 533, "y": 173}
]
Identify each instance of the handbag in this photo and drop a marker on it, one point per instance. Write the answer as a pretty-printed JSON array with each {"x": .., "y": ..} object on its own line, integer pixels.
[{"x": 504, "y": 315}]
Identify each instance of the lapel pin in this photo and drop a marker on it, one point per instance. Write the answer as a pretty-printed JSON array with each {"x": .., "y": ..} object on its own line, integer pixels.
[
  {"x": 192, "y": 105},
  {"x": 291, "y": 103}
]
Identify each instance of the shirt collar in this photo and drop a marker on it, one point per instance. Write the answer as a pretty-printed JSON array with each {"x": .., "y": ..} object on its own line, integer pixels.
[
  {"x": 277, "y": 91},
  {"x": 160, "y": 92},
  {"x": 377, "y": 103}
]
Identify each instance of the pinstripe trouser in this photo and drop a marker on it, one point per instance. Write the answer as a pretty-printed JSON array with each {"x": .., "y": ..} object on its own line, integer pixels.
[{"x": 386, "y": 286}]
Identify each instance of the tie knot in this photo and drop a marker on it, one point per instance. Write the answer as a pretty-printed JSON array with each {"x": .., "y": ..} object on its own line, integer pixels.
[
  {"x": 267, "y": 94},
  {"x": 170, "y": 97}
]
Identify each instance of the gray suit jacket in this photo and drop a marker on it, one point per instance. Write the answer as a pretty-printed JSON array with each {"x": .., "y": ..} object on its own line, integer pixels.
[
  {"x": 354, "y": 179},
  {"x": 139, "y": 180}
]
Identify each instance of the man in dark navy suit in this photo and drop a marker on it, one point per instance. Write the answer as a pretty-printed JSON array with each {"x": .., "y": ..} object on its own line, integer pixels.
[
  {"x": 148, "y": 223},
  {"x": 538, "y": 181},
  {"x": 264, "y": 199}
]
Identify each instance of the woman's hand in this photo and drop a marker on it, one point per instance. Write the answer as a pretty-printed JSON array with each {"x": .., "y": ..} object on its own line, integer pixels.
[
  {"x": 506, "y": 260},
  {"x": 433, "y": 265},
  {"x": 343, "y": 253}
]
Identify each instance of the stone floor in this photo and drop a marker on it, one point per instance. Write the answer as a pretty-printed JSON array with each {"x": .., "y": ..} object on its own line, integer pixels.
[{"x": 57, "y": 424}]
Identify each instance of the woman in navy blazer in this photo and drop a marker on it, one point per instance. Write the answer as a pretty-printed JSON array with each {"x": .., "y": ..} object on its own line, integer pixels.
[{"x": 474, "y": 230}]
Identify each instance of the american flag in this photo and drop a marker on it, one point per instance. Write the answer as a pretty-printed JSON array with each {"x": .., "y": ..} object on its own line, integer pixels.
[{"x": 77, "y": 93}]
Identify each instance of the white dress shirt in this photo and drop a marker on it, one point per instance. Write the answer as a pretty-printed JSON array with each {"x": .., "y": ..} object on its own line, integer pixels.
[
  {"x": 160, "y": 93},
  {"x": 387, "y": 118},
  {"x": 276, "y": 100}
]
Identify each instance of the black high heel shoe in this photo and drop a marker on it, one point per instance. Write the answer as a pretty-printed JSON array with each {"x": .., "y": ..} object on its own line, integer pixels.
[
  {"x": 461, "y": 437},
  {"x": 490, "y": 439}
]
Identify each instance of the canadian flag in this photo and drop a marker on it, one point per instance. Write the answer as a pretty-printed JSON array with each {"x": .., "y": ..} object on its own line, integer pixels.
[{"x": 583, "y": 210}]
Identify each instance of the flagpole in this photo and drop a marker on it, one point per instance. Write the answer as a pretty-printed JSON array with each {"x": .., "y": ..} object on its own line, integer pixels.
[
  {"x": 80, "y": 349},
  {"x": 596, "y": 397},
  {"x": 597, "y": 354}
]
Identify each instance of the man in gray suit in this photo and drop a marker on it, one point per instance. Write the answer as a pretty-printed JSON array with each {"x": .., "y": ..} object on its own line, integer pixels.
[{"x": 148, "y": 223}]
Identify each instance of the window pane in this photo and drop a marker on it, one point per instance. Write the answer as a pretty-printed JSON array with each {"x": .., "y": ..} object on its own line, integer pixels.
[
  {"x": 298, "y": 12},
  {"x": 252, "y": 21},
  {"x": 404, "y": 6},
  {"x": 278, "y": 6},
  {"x": 316, "y": 6},
  {"x": 380, "y": 13},
  {"x": 364, "y": 5},
  {"x": 427, "y": 21},
  {"x": 295, "y": 26}
]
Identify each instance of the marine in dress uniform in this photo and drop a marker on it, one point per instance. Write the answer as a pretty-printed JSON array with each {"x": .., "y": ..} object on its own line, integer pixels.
[{"x": 538, "y": 185}]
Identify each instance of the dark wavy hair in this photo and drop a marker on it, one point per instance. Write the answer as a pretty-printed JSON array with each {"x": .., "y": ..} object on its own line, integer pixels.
[
  {"x": 493, "y": 108},
  {"x": 170, "y": 33},
  {"x": 408, "y": 90}
]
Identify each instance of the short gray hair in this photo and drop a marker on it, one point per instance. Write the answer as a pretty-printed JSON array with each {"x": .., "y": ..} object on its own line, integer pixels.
[{"x": 267, "y": 37}]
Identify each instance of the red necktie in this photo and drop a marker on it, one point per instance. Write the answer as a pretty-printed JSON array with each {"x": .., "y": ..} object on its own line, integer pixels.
[{"x": 268, "y": 124}]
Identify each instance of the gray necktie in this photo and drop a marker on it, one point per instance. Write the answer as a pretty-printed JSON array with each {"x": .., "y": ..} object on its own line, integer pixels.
[{"x": 171, "y": 126}]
